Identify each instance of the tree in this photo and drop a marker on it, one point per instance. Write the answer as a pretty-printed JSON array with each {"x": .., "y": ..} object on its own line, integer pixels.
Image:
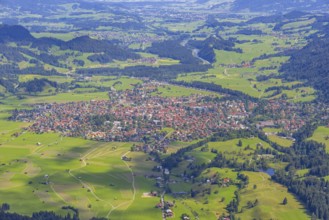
[
  {"x": 256, "y": 202},
  {"x": 249, "y": 205},
  {"x": 5, "y": 207},
  {"x": 285, "y": 201},
  {"x": 240, "y": 143}
]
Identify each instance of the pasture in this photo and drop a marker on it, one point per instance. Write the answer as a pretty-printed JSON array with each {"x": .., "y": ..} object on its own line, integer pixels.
[
  {"x": 210, "y": 202},
  {"x": 269, "y": 196},
  {"x": 178, "y": 91},
  {"x": 239, "y": 71},
  {"x": 230, "y": 148},
  {"x": 122, "y": 83},
  {"x": 48, "y": 171},
  {"x": 321, "y": 135},
  {"x": 66, "y": 97},
  {"x": 282, "y": 141}
]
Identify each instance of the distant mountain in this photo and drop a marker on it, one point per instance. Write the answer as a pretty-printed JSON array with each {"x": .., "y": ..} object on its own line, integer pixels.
[
  {"x": 278, "y": 18},
  {"x": 44, "y": 7},
  {"x": 35, "y": 6},
  {"x": 280, "y": 5}
]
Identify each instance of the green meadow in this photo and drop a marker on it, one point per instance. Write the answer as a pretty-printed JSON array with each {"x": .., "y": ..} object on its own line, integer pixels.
[
  {"x": 212, "y": 199},
  {"x": 122, "y": 83},
  {"x": 236, "y": 71},
  {"x": 269, "y": 196},
  {"x": 66, "y": 97},
  {"x": 47, "y": 171},
  {"x": 203, "y": 205},
  {"x": 284, "y": 142},
  {"x": 321, "y": 135},
  {"x": 178, "y": 91},
  {"x": 58, "y": 79},
  {"x": 230, "y": 148}
]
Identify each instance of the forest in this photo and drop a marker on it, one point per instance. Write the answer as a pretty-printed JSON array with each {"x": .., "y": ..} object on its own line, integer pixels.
[
  {"x": 173, "y": 49},
  {"x": 22, "y": 36},
  {"x": 277, "y": 5},
  {"x": 207, "y": 47},
  {"x": 159, "y": 73},
  {"x": 309, "y": 64}
]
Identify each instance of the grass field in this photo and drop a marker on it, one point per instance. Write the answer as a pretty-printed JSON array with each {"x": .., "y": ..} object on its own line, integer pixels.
[
  {"x": 271, "y": 130},
  {"x": 204, "y": 205},
  {"x": 302, "y": 173},
  {"x": 66, "y": 97},
  {"x": 177, "y": 91},
  {"x": 270, "y": 196},
  {"x": 284, "y": 142},
  {"x": 122, "y": 83},
  {"x": 230, "y": 148},
  {"x": 84, "y": 174},
  {"x": 212, "y": 205},
  {"x": 58, "y": 79},
  {"x": 231, "y": 145},
  {"x": 321, "y": 135},
  {"x": 235, "y": 70},
  {"x": 61, "y": 36}
]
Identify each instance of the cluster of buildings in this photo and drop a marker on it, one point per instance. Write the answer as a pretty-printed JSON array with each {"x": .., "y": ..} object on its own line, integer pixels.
[
  {"x": 142, "y": 115},
  {"x": 147, "y": 60},
  {"x": 291, "y": 116},
  {"x": 126, "y": 39},
  {"x": 139, "y": 115}
]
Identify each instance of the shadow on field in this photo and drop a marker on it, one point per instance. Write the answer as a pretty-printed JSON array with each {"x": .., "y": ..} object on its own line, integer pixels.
[
  {"x": 138, "y": 212},
  {"x": 112, "y": 173}
]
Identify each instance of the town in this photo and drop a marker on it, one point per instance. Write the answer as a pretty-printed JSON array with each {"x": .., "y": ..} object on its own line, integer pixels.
[
  {"x": 139, "y": 115},
  {"x": 142, "y": 115}
]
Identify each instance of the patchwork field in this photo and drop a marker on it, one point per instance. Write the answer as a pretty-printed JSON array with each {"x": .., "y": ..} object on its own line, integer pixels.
[
  {"x": 212, "y": 199},
  {"x": 205, "y": 198},
  {"x": 239, "y": 71}
]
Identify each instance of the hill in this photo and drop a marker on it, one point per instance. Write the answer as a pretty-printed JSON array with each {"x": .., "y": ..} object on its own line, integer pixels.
[
  {"x": 18, "y": 34},
  {"x": 14, "y": 33},
  {"x": 279, "y": 5},
  {"x": 206, "y": 47},
  {"x": 310, "y": 64},
  {"x": 21, "y": 53}
]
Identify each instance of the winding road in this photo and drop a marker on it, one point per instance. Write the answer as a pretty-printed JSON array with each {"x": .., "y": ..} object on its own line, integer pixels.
[{"x": 195, "y": 52}]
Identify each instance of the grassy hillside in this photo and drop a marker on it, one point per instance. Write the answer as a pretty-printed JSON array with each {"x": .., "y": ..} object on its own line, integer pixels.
[
  {"x": 46, "y": 172},
  {"x": 321, "y": 135}
]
